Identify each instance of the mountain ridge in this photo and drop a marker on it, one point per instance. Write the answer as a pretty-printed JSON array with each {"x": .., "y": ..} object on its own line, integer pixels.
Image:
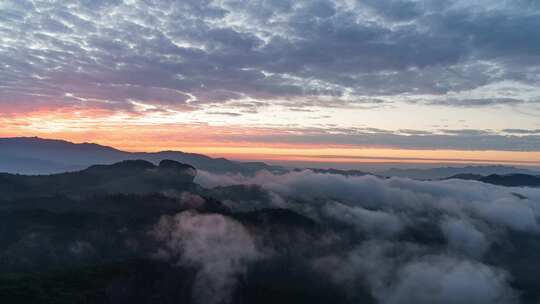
[
  {"x": 508, "y": 180},
  {"x": 126, "y": 177},
  {"x": 35, "y": 155},
  {"x": 446, "y": 172}
]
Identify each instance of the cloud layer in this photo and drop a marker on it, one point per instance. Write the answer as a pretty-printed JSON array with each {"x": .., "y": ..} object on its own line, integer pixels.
[
  {"x": 86, "y": 65},
  {"x": 405, "y": 241},
  {"x": 179, "y": 54}
]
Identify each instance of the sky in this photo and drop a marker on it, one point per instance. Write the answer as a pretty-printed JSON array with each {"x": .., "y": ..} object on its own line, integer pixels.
[{"x": 341, "y": 81}]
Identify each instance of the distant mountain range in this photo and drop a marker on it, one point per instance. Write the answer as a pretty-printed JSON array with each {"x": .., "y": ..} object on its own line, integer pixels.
[
  {"x": 508, "y": 180},
  {"x": 336, "y": 171},
  {"x": 33, "y": 155},
  {"x": 445, "y": 172}
]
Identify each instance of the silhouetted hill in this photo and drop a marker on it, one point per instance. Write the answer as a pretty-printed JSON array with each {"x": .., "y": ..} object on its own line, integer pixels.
[
  {"x": 445, "y": 172},
  {"x": 32, "y": 155},
  {"x": 466, "y": 176},
  {"x": 337, "y": 171},
  {"x": 126, "y": 177},
  {"x": 509, "y": 180}
]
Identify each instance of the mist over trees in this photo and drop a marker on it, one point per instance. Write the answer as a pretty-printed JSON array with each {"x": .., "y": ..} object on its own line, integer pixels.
[{"x": 137, "y": 232}]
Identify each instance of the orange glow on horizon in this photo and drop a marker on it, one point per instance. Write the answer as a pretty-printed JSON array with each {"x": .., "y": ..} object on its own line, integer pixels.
[
  {"x": 304, "y": 153},
  {"x": 369, "y": 155},
  {"x": 126, "y": 132}
]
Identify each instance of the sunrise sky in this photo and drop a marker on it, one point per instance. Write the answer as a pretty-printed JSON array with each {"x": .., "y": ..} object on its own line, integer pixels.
[{"x": 339, "y": 81}]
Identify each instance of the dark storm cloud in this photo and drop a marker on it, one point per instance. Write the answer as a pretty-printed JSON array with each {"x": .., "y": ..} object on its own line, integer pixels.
[{"x": 265, "y": 50}]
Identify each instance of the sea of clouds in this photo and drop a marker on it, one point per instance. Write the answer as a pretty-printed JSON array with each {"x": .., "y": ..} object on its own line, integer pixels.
[{"x": 398, "y": 240}]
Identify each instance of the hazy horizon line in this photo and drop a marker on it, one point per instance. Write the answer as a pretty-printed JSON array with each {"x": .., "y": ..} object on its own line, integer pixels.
[{"x": 319, "y": 160}]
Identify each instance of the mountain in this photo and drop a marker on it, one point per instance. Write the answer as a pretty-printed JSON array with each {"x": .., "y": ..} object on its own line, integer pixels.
[
  {"x": 136, "y": 232},
  {"x": 33, "y": 155},
  {"x": 336, "y": 171},
  {"x": 508, "y": 180},
  {"x": 126, "y": 177},
  {"x": 96, "y": 236},
  {"x": 445, "y": 172}
]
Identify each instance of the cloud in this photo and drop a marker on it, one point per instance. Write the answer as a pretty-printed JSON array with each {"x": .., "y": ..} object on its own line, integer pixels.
[
  {"x": 407, "y": 241},
  {"x": 439, "y": 279},
  {"x": 408, "y": 273},
  {"x": 224, "y": 113},
  {"x": 521, "y": 131},
  {"x": 379, "y": 223},
  {"x": 219, "y": 247},
  {"x": 397, "y": 197},
  {"x": 224, "y": 62},
  {"x": 165, "y": 52},
  {"x": 463, "y": 237},
  {"x": 453, "y": 139}
]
